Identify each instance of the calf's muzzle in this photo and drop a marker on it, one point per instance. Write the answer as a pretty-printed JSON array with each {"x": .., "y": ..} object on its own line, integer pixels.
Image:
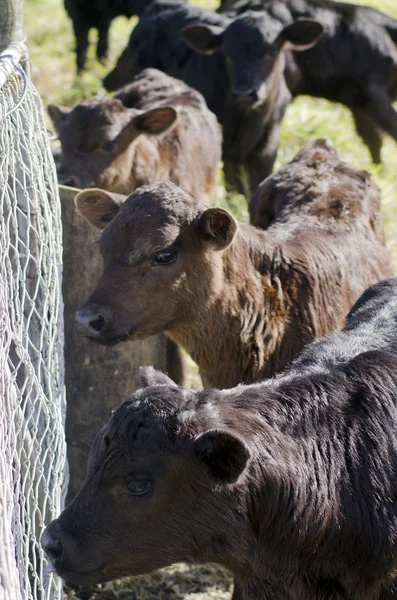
[
  {"x": 247, "y": 96},
  {"x": 70, "y": 180},
  {"x": 92, "y": 321},
  {"x": 52, "y": 543}
]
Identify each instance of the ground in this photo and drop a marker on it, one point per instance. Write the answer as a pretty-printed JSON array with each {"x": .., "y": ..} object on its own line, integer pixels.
[{"x": 50, "y": 42}]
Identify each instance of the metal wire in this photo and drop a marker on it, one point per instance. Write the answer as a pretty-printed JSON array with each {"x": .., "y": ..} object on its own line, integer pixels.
[{"x": 32, "y": 399}]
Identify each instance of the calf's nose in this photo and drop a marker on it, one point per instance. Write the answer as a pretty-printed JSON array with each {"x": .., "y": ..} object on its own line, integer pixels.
[
  {"x": 246, "y": 96},
  {"x": 69, "y": 180},
  {"x": 91, "y": 322},
  {"x": 52, "y": 543}
]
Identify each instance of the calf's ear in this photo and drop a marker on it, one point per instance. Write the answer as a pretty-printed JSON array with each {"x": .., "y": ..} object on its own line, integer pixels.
[
  {"x": 302, "y": 34},
  {"x": 58, "y": 114},
  {"x": 224, "y": 454},
  {"x": 149, "y": 376},
  {"x": 98, "y": 207},
  {"x": 203, "y": 38},
  {"x": 155, "y": 121},
  {"x": 217, "y": 227}
]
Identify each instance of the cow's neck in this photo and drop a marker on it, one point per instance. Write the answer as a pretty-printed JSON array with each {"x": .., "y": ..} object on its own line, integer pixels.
[{"x": 253, "y": 322}]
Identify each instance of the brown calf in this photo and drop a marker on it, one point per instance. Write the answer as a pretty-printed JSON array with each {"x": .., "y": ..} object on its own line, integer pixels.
[
  {"x": 290, "y": 483},
  {"x": 154, "y": 129},
  {"x": 243, "y": 302}
]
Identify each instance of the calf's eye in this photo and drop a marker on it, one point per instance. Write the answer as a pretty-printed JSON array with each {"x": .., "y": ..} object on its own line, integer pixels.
[
  {"x": 109, "y": 146},
  {"x": 166, "y": 257},
  {"x": 138, "y": 486}
]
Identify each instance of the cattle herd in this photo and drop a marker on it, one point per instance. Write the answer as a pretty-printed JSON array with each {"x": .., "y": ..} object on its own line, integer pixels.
[{"x": 284, "y": 467}]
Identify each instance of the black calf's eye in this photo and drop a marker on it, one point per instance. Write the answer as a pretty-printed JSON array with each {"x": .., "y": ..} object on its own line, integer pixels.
[
  {"x": 109, "y": 146},
  {"x": 166, "y": 257},
  {"x": 138, "y": 486}
]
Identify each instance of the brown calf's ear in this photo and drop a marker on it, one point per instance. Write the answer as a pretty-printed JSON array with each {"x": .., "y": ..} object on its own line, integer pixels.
[
  {"x": 302, "y": 34},
  {"x": 98, "y": 207},
  {"x": 203, "y": 38},
  {"x": 149, "y": 376},
  {"x": 155, "y": 121},
  {"x": 217, "y": 227},
  {"x": 224, "y": 454},
  {"x": 58, "y": 114}
]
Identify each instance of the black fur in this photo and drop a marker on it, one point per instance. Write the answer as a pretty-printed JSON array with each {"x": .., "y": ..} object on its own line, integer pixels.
[
  {"x": 98, "y": 14},
  {"x": 303, "y": 508}
]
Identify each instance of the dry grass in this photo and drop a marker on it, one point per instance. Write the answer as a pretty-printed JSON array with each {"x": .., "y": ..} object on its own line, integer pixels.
[
  {"x": 50, "y": 42},
  {"x": 179, "y": 582}
]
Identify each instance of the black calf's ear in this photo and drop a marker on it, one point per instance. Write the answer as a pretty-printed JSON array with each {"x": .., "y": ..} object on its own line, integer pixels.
[
  {"x": 149, "y": 376},
  {"x": 98, "y": 207},
  {"x": 58, "y": 114},
  {"x": 203, "y": 38},
  {"x": 302, "y": 34},
  {"x": 224, "y": 454},
  {"x": 155, "y": 121},
  {"x": 217, "y": 227}
]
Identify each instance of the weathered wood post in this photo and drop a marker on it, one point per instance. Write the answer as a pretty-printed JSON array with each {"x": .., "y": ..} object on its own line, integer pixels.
[
  {"x": 97, "y": 378},
  {"x": 11, "y": 22}
]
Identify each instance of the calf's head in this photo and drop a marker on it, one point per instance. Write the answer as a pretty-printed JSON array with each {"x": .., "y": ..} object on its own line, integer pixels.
[
  {"x": 98, "y": 141},
  {"x": 162, "y": 253},
  {"x": 253, "y": 44},
  {"x": 162, "y": 483},
  {"x": 150, "y": 45}
]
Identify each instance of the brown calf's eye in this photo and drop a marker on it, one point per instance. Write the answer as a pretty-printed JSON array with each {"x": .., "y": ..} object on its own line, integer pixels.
[
  {"x": 166, "y": 257},
  {"x": 138, "y": 486}
]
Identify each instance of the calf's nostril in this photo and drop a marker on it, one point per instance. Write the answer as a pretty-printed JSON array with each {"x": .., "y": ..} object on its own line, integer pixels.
[
  {"x": 98, "y": 323},
  {"x": 53, "y": 549},
  {"x": 90, "y": 323}
]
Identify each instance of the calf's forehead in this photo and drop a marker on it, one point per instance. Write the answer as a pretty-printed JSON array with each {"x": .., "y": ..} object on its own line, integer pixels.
[
  {"x": 94, "y": 122},
  {"x": 148, "y": 419},
  {"x": 254, "y": 31},
  {"x": 151, "y": 219}
]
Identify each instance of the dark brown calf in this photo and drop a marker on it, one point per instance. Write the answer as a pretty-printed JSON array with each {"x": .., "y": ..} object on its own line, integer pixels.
[
  {"x": 243, "y": 302},
  {"x": 290, "y": 483},
  {"x": 154, "y": 129}
]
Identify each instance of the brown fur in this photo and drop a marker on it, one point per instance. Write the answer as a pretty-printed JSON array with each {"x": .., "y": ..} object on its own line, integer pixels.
[
  {"x": 104, "y": 145},
  {"x": 243, "y": 302}
]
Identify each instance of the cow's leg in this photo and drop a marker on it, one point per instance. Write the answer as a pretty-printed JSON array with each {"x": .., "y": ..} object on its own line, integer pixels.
[
  {"x": 380, "y": 108},
  {"x": 175, "y": 362},
  {"x": 369, "y": 132},
  {"x": 236, "y": 178},
  {"x": 260, "y": 161},
  {"x": 81, "y": 34},
  {"x": 102, "y": 48}
]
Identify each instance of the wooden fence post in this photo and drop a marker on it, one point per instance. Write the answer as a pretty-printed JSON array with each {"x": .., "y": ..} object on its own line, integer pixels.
[
  {"x": 97, "y": 378},
  {"x": 11, "y": 22}
]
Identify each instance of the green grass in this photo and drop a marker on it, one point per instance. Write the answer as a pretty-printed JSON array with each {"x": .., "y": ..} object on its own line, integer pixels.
[{"x": 50, "y": 41}]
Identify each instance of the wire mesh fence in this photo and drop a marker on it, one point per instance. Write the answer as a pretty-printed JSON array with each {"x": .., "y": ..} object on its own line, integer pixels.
[{"x": 32, "y": 399}]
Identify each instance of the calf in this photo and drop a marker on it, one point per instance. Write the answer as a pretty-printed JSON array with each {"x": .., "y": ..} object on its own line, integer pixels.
[
  {"x": 98, "y": 14},
  {"x": 355, "y": 62},
  {"x": 156, "y": 128},
  {"x": 250, "y": 129},
  {"x": 243, "y": 302},
  {"x": 290, "y": 483}
]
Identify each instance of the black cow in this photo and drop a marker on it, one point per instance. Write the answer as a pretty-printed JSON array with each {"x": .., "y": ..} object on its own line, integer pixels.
[
  {"x": 98, "y": 14},
  {"x": 250, "y": 128},
  {"x": 355, "y": 62},
  {"x": 291, "y": 483}
]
